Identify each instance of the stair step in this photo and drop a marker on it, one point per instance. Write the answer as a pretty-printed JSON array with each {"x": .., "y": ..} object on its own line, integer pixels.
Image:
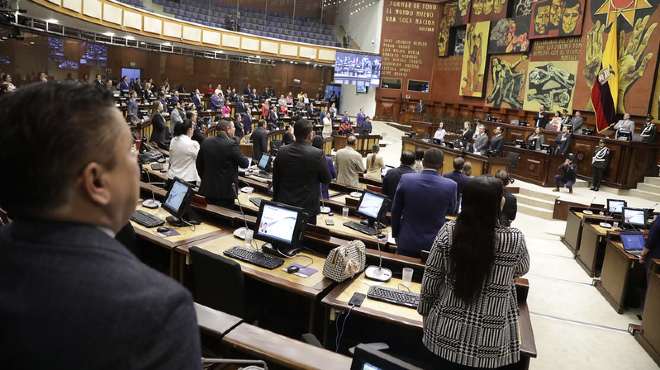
[
  {"x": 550, "y": 197},
  {"x": 581, "y": 184},
  {"x": 652, "y": 196},
  {"x": 651, "y": 188},
  {"x": 535, "y": 211},
  {"x": 652, "y": 180},
  {"x": 535, "y": 202}
]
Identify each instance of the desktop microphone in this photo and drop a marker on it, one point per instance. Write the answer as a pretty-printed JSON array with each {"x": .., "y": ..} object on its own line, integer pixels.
[
  {"x": 150, "y": 203},
  {"x": 378, "y": 273},
  {"x": 242, "y": 231}
]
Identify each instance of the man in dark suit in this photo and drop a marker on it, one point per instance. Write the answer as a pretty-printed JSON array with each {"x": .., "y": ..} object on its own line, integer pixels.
[
  {"x": 393, "y": 176},
  {"x": 72, "y": 296},
  {"x": 259, "y": 140},
  {"x": 496, "y": 142},
  {"x": 298, "y": 171},
  {"x": 599, "y": 162},
  {"x": 459, "y": 178},
  {"x": 99, "y": 82},
  {"x": 420, "y": 205},
  {"x": 541, "y": 119},
  {"x": 217, "y": 164}
]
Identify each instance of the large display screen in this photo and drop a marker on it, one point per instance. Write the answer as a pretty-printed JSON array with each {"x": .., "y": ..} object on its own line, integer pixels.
[{"x": 351, "y": 68}]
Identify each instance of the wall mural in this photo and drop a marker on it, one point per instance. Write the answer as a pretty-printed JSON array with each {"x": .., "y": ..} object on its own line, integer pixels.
[
  {"x": 550, "y": 84},
  {"x": 483, "y": 10},
  {"x": 463, "y": 13},
  {"x": 459, "y": 41},
  {"x": 509, "y": 35},
  {"x": 447, "y": 15},
  {"x": 474, "y": 59},
  {"x": 638, "y": 47},
  {"x": 554, "y": 18},
  {"x": 506, "y": 81},
  {"x": 522, "y": 8}
]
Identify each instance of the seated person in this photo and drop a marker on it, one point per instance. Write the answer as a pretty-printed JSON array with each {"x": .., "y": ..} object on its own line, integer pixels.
[
  {"x": 496, "y": 142},
  {"x": 439, "y": 135},
  {"x": 375, "y": 164},
  {"x": 535, "y": 140},
  {"x": 624, "y": 128},
  {"x": 183, "y": 154},
  {"x": 78, "y": 299}
]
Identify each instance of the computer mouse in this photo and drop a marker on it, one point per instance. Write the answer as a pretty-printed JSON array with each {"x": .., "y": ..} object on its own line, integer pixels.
[
  {"x": 163, "y": 229},
  {"x": 331, "y": 214},
  {"x": 293, "y": 269},
  {"x": 382, "y": 236}
]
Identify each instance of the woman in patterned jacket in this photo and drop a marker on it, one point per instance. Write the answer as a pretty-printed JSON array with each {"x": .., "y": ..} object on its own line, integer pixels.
[{"x": 468, "y": 297}]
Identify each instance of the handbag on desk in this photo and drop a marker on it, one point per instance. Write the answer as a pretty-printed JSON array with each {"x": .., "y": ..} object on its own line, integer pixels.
[{"x": 345, "y": 261}]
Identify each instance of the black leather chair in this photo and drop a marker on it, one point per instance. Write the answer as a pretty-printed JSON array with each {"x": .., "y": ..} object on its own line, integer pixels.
[{"x": 218, "y": 282}]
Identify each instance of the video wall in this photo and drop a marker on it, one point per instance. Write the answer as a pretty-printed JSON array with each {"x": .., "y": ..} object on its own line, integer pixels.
[{"x": 361, "y": 70}]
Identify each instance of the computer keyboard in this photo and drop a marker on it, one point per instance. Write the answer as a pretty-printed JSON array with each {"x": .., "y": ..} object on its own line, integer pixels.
[
  {"x": 364, "y": 229},
  {"x": 254, "y": 257},
  {"x": 146, "y": 219},
  {"x": 263, "y": 174},
  {"x": 256, "y": 201},
  {"x": 394, "y": 296}
]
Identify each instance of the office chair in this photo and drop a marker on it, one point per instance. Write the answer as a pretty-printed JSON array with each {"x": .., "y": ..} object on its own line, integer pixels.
[{"x": 218, "y": 282}]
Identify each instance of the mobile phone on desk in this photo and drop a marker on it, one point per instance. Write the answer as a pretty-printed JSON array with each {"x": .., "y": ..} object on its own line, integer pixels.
[
  {"x": 357, "y": 299},
  {"x": 329, "y": 222}
]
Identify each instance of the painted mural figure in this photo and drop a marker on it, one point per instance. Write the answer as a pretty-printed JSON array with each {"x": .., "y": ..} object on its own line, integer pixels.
[
  {"x": 507, "y": 83},
  {"x": 551, "y": 86}
]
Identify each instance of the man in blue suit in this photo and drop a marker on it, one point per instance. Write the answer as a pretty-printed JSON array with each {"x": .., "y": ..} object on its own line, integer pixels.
[{"x": 421, "y": 202}]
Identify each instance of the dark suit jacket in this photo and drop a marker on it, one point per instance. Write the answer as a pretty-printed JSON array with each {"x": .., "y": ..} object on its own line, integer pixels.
[
  {"x": 496, "y": 143},
  {"x": 459, "y": 178},
  {"x": 259, "y": 140},
  {"x": 217, "y": 164},
  {"x": 562, "y": 146},
  {"x": 420, "y": 205},
  {"x": 541, "y": 120},
  {"x": 298, "y": 171},
  {"x": 197, "y": 102},
  {"x": 159, "y": 133},
  {"x": 75, "y": 298},
  {"x": 392, "y": 178}
]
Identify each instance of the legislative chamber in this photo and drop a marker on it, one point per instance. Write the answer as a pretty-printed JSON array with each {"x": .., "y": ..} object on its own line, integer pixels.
[{"x": 332, "y": 184}]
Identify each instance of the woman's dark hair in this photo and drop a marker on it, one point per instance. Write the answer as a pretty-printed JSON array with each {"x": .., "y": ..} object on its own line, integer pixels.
[
  {"x": 419, "y": 154},
  {"x": 473, "y": 248},
  {"x": 182, "y": 128},
  {"x": 317, "y": 142}
]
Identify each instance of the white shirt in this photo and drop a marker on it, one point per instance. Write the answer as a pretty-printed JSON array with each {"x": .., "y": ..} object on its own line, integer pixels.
[
  {"x": 183, "y": 154},
  {"x": 440, "y": 134},
  {"x": 327, "y": 127}
]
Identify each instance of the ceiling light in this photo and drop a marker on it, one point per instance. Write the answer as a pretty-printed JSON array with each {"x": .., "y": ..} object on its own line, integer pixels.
[
  {"x": 220, "y": 51},
  {"x": 129, "y": 37},
  {"x": 307, "y": 62},
  {"x": 167, "y": 44},
  {"x": 52, "y": 20},
  {"x": 109, "y": 34}
]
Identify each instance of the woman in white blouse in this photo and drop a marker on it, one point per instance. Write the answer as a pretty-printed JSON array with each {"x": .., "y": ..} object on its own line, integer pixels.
[
  {"x": 183, "y": 154},
  {"x": 327, "y": 126},
  {"x": 375, "y": 164}
]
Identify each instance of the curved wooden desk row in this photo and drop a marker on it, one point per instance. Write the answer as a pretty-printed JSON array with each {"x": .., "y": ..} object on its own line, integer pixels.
[
  {"x": 481, "y": 165},
  {"x": 649, "y": 336}
]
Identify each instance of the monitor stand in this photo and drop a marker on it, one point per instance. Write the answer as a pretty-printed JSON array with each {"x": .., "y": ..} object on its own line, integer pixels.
[
  {"x": 280, "y": 250},
  {"x": 175, "y": 221}
]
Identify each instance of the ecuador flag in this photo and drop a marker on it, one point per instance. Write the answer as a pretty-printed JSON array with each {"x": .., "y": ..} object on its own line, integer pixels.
[{"x": 605, "y": 91}]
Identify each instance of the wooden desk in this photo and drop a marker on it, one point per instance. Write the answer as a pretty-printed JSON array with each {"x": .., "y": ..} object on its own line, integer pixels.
[
  {"x": 533, "y": 166},
  {"x": 649, "y": 336},
  {"x": 284, "y": 351},
  {"x": 187, "y": 235},
  {"x": 592, "y": 248},
  {"x": 310, "y": 287},
  {"x": 396, "y": 315},
  {"x": 615, "y": 274},
  {"x": 215, "y": 322},
  {"x": 573, "y": 232}
]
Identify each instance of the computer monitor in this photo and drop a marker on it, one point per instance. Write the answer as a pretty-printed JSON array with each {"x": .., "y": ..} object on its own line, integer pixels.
[
  {"x": 371, "y": 206},
  {"x": 366, "y": 358},
  {"x": 264, "y": 162},
  {"x": 177, "y": 201},
  {"x": 634, "y": 217},
  {"x": 632, "y": 241},
  {"x": 281, "y": 226},
  {"x": 616, "y": 206}
]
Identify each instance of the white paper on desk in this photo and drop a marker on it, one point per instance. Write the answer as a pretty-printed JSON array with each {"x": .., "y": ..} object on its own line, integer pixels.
[{"x": 390, "y": 239}]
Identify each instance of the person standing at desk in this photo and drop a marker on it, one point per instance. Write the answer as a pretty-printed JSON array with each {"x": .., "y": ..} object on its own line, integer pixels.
[
  {"x": 349, "y": 164},
  {"x": 215, "y": 102},
  {"x": 183, "y": 154},
  {"x": 652, "y": 248},
  {"x": 439, "y": 135},
  {"x": 563, "y": 142},
  {"x": 160, "y": 135},
  {"x": 480, "y": 140},
  {"x": 298, "y": 171},
  {"x": 535, "y": 140},
  {"x": 123, "y": 84},
  {"x": 468, "y": 285},
  {"x": 85, "y": 301},
  {"x": 217, "y": 164},
  {"x": 197, "y": 99},
  {"x": 648, "y": 131},
  {"x": 360, "y": 118},
  {"x": 365, "y": 128},
  {"x": 541, "y": 119},
  {"x": 133, "y": 108},
  {"x": 317, "y": 142},
  {"x": 375, "y": 164},
  {"x": 599, "y": 163},
  {"x": 624, "y": 128},
  {"x": 393, "y": 176},
  {"x": 577, "y": 121},
  {"x": 327, "y": 126},
  {"x": 421, "y": 202},
  {"x": 467, "y": 133},
  {"x": 510, "y": 207},
  {"x": 259, "y": 140},
  {"x": 459, "y": 178},
  {"x": 555, "y": 123}
]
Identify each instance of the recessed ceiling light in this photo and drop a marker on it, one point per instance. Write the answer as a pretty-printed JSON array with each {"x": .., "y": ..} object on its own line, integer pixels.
[
  {"x": 167, "y": 44},
  {"x": 31, "y": 42},
  {"x": 220, "y": 51},
  {"x": 109, "y": 34},
  {"x": 129, "y": 37},
  {"x": 142, "y": 43},
  {"x": 307, "y": 62},
  {"x": 52, "y": 20}
]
